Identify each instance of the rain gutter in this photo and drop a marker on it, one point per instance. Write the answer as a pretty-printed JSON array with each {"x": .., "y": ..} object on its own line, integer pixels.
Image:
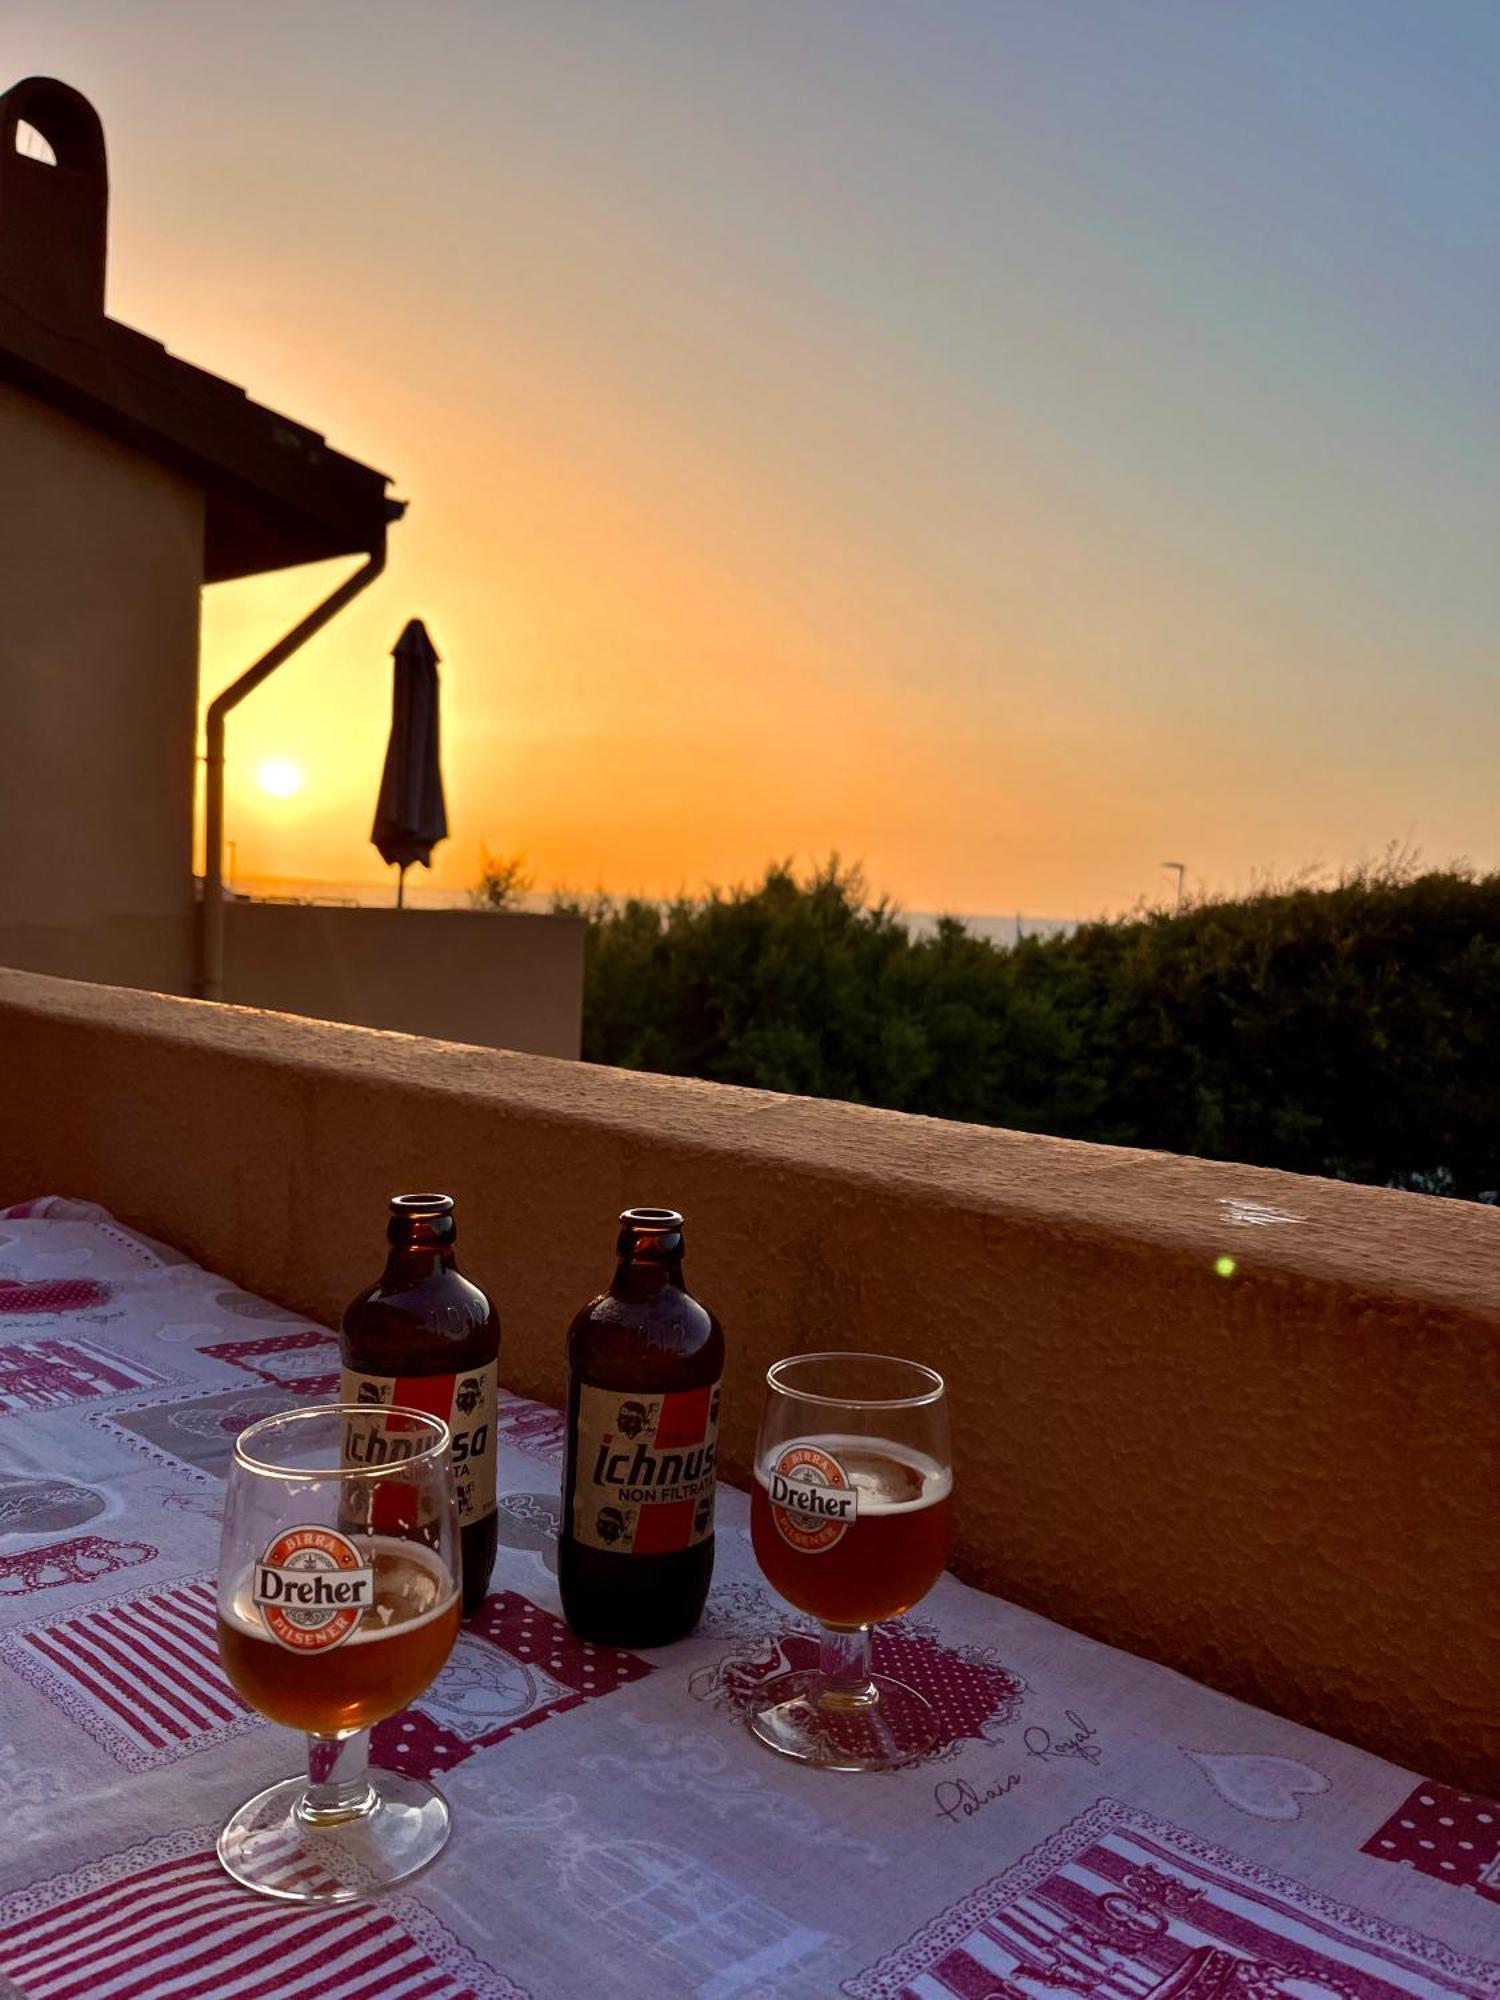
[{"x": 210, "y": 968}]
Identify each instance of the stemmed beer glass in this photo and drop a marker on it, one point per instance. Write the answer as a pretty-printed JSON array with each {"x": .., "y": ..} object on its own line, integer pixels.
[
  {"x": 338, "y": 1604},
  {"x": 850, "y": 1515}
]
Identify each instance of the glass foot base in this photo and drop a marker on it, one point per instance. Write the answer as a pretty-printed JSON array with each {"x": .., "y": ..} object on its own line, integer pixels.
[
  {"x": 875, "y": 1726},
  {"x": 270, "y": 1847}
]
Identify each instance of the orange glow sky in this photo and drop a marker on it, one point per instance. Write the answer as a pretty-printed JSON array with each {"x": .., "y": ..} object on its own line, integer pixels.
[{"x": 1008, "y": 443}]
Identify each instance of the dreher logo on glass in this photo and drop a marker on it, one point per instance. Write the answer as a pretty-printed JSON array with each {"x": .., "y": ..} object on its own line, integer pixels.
[
  {"x": 311, "y": 1588},
  {"x": 813, "y": 1501}
]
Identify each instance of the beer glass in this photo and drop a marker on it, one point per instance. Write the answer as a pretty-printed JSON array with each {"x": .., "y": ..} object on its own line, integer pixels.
[
  {"x": 338, "y": 1604},
  {"x": 850, "y": 1516}
]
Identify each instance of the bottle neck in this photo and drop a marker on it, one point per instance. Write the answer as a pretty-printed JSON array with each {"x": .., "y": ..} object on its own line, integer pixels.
[
  {"x": 419, "y": 1246},
  {"x": 648, "y": 1252},
  {"x": 641, "y": 1277},
  {"x": 409, "y": 1263}
]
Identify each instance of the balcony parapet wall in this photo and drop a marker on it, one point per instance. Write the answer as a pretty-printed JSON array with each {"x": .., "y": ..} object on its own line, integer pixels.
[{"x": 1280, "y": 1481}]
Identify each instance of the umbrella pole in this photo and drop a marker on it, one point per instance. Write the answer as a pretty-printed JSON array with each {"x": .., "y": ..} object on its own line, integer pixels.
[{"x": 401, "y": 890}]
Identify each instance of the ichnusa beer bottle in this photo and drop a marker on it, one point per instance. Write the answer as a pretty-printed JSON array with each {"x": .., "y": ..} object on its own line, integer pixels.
[
  {"x": 427, "y": 1339},
  {"x": 644, "y": 1364}
]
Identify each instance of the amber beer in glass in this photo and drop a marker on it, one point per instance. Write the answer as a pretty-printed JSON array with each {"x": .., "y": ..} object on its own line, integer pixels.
[
  {"x": 850, "y": 1516},
  {"x": 336, "y": 1609},
  {"x": 426, "y": 1338},
  {"x": 409, "y": 1633},
  {"x": 853, "y": 1569},
  {"x": 644, "y": 1365}
]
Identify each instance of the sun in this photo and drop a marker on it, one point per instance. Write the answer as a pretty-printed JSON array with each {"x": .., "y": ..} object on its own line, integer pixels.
[{"x": 280, "y": 777}]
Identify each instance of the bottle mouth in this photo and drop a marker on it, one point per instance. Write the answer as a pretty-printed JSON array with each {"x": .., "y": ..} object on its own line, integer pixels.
[
  {"x": 654, "y": 1221},
  {"x": 410, "y": 1206}
]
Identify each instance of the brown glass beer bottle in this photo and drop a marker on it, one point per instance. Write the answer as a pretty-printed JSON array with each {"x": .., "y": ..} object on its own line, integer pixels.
[
  {"x": 644, "y": 1364},
  {"x": 424, "y": 1337}
]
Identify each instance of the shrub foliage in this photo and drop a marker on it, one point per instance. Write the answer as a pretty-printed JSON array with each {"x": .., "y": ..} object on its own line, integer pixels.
[{"x": 1350, "y": 1029}]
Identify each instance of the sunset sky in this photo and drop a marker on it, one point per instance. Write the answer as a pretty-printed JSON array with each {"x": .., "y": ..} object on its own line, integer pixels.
[{"x": 1011, "y": 442}]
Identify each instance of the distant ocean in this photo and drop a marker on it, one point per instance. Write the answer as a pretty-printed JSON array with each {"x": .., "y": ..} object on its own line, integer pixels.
[{"x": 423, "y": 896}]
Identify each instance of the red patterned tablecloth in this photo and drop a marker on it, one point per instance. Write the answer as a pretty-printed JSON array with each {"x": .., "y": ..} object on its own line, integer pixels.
[{"x": 1093, "y": 1825}]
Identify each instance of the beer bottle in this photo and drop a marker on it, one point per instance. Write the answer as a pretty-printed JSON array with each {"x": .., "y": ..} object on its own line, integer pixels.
[
  {"x": 644, "y": 1362},
  {"x": 426, "y": 1338}
]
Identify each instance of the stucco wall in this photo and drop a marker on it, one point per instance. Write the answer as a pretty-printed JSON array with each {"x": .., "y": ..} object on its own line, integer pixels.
[
  {"x": 101, "y": 559},
  {"x": 1280, "y": 1482},
  {"x": 501, "y": 979}
]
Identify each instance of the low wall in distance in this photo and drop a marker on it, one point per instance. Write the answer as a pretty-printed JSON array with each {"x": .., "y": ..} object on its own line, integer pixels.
[
  {"x": 501, "y": 979},
  {"x": 1279, "y": 1481}
]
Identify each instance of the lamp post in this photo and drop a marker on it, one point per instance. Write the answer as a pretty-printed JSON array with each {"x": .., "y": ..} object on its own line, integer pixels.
[{"x": 1180, "y": 871}]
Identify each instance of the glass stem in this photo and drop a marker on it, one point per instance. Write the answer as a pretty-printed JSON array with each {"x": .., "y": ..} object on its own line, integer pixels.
[
  {"x": 338, "y": 1779},
  {"x": 845, "y": 1663}
]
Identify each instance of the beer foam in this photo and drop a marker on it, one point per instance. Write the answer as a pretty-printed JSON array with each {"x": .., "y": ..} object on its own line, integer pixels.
[
  {"x": 889, "y": 1478},
  {"x": 436, "y": 1586}
]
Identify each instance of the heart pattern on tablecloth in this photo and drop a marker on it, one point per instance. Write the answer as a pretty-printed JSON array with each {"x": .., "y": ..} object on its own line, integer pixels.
[{"x": 1267, "y": 1787}]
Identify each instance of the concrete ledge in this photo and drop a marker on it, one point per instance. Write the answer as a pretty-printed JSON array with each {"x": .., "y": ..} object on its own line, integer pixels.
[{"x": 1280, "y": 1481}]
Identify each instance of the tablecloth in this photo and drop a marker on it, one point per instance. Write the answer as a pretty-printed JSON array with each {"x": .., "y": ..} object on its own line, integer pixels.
[{"x": 1093, "y": 1824}]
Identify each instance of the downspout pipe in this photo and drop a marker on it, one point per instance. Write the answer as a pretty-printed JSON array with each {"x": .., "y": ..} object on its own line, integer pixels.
[{"x": 210, "y": 981}]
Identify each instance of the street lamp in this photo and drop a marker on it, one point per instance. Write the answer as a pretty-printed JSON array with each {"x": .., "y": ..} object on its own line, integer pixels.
[{"x": 1181, "y": 871}]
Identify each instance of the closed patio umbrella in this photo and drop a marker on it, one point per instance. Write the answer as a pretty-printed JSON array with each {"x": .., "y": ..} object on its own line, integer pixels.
[{"x": 410, "y": 818}]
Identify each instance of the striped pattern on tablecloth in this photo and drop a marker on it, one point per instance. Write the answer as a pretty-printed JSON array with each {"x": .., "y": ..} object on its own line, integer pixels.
[
  {"x": 44, "y": 1374},
  {"x": 141, "y": 1673},
  {"x": 178, "y": 1926},
  {"x": 1121, "y": 1903}
]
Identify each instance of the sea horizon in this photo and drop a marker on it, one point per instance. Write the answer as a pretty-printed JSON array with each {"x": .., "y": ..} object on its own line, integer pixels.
[{"x": 990, "y": 925}]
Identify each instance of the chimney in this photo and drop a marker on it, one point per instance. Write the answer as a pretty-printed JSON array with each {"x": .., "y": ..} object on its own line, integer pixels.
[{"x": 54, "y": 218}]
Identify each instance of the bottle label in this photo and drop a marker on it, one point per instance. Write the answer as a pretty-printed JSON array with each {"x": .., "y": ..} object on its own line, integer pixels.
[
  {"x": 312, "y": 1587},
  {"x": 643, "y": 1481},
  {"x": 466, "y": 1404},
  {"x": 812, "y": 1501}
]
